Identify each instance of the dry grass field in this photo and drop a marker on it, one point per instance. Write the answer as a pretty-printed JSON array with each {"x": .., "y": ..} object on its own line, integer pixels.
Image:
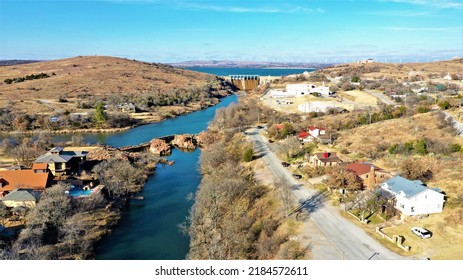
[
  {"x": 79, "y": 78},
  {"x": 364, "y": 139},
  {"x": 359, "y": 97},
  {"x": 95, "y": 75},
  {"x": 396, "y": 70}
]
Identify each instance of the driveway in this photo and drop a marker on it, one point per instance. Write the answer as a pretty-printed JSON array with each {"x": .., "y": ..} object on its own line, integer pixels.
[{"x": 331, "y": 236}]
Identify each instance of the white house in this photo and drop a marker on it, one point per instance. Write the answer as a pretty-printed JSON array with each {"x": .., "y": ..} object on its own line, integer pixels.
[
  {"x": 413, "y": 197},
  {"x": 312, "y": 134},
  {"x": 448, "y": 77},
  {"x": 305, "y": 89},
  {"x": 299, "y": 90}
]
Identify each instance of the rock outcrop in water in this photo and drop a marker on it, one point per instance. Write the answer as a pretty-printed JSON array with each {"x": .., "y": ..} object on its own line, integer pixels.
[
  {"x": 184, "y": 141},
  {"x": 160, "y": 147}
]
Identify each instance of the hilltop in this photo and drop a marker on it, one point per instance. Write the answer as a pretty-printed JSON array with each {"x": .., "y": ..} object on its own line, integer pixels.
[
  {"x": 400, "y": 71},
  {"x": 64, "y": 94},
  {"x": 96, "y": 75}
]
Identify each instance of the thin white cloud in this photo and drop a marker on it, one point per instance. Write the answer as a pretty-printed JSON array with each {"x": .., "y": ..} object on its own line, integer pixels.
[
  {"x": 405, "y": 28},
  {"x": 262, "y": 10},
  {"x": 439, "y": 4},
  {"x": 402, "y": 13},
  {"x": 223, "y": 6}
]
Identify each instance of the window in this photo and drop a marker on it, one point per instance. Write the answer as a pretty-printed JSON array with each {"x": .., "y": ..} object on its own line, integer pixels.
[
  {"x": 412, "y": 209},
  {"x": 367, "y": 176},
  {"x": 58, "y": 166},
  {"x": 402, "y": 206}
]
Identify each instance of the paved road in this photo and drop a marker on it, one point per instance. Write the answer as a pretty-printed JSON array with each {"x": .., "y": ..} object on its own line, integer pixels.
[
  {"x": 381, "y": 97},
  {"x": 332, "y": 236}
]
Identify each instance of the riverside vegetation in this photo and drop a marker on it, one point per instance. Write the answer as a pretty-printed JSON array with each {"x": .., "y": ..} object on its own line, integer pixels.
[
  {"x": 235, "y": 217},
  {"x": 62, "y": 227}
]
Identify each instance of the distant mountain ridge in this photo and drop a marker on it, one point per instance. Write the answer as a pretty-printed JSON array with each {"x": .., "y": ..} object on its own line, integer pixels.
[
  {"x": 248, "y": 64},
  {"x": 12, "y": 62}
]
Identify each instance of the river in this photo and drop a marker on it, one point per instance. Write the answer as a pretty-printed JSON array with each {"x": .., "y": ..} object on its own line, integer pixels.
[{"x": 148, "y": 229}]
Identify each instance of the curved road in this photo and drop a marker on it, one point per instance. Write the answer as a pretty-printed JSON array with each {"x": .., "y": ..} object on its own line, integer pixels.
[{"x": 331, "y": 235}]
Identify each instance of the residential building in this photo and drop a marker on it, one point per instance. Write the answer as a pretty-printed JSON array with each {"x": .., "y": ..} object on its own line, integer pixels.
[
  {"x": 324, "y": 159},
  {"x": 62, "y": 162},
  {"x": 413, "y": 197},
  {"x": 312, "y": 134},
  {"x": 38, "y": 178},
  {"x": 299, "y": 90},
  {"x": 370, "y": 174},
  {"x": 127, "y": 108},
  {"x": 20, "y": 197}
]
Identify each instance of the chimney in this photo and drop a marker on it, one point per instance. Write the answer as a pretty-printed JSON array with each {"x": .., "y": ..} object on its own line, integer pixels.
[{"x": 326, "y": 155}]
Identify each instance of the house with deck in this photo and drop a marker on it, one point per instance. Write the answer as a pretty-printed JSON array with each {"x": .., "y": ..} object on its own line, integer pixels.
[
  {"x": 413, "y": 197},
  {"x": 62, "y": 162}
]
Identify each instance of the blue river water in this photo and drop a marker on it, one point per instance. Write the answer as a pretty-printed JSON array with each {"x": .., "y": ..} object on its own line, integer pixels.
[
  {"x": 149, "y": 229},
  {"x": 192, "y": 123},
  {"x": 250, "y": 71}
]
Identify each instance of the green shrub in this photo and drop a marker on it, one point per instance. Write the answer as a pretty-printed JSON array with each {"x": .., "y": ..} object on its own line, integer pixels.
[{"x": 248, "y": 155}]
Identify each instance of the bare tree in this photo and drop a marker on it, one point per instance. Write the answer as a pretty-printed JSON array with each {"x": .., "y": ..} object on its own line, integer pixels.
[
  {"x": 340, "y": 178},
  {"x": 119, "y": 177},
  {"x": 284, "y": 188}
]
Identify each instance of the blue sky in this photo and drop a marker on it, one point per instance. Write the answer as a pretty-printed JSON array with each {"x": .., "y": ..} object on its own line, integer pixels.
[{"x": 272, "y": 30}]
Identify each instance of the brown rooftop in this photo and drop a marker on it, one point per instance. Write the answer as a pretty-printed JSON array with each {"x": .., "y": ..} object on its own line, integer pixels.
[
  {"x": 23, "y": 179},
  {"x": 327, "y": 157},
  {"x": 361, "y": 168}
]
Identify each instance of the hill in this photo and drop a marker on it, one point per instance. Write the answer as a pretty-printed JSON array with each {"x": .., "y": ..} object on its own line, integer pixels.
[
  {"x": 400, "y": 71},
  {"x": 63, "y": 94},
  {"x": 97, "y": 75}
]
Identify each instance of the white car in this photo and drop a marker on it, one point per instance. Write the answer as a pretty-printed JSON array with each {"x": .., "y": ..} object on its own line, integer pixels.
[{"x": 421, "y": 232}]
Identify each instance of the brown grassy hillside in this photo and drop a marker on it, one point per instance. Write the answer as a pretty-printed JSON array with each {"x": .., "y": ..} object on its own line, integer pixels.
[
  {"x": 368, "y": 139},
  {"x": 397, "y": 70},
  {"x": 96, "y": 75}
]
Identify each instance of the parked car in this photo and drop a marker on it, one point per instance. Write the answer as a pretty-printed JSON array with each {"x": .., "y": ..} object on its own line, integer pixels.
[
  {"x": 297, "y": 176},
  {"x": 270, "y": 140},
  {"x": 259, "y": 127},
  {"x": 421, "y": 232},
  {"x": 285, "y": 164}
]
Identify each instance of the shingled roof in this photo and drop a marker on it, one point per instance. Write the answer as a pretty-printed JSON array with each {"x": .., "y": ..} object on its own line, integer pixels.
[
  {"x": 361, "y": 168},
  {"x": 24, "y": 179}
]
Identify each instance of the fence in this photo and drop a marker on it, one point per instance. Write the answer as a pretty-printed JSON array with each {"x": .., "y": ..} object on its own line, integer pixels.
[{"x": 397, "y": 239}]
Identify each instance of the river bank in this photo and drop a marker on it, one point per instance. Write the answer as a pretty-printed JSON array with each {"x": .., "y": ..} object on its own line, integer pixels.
[
  {"x": 165, "y": 193},
  {"x": 170, "y": 112}
]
